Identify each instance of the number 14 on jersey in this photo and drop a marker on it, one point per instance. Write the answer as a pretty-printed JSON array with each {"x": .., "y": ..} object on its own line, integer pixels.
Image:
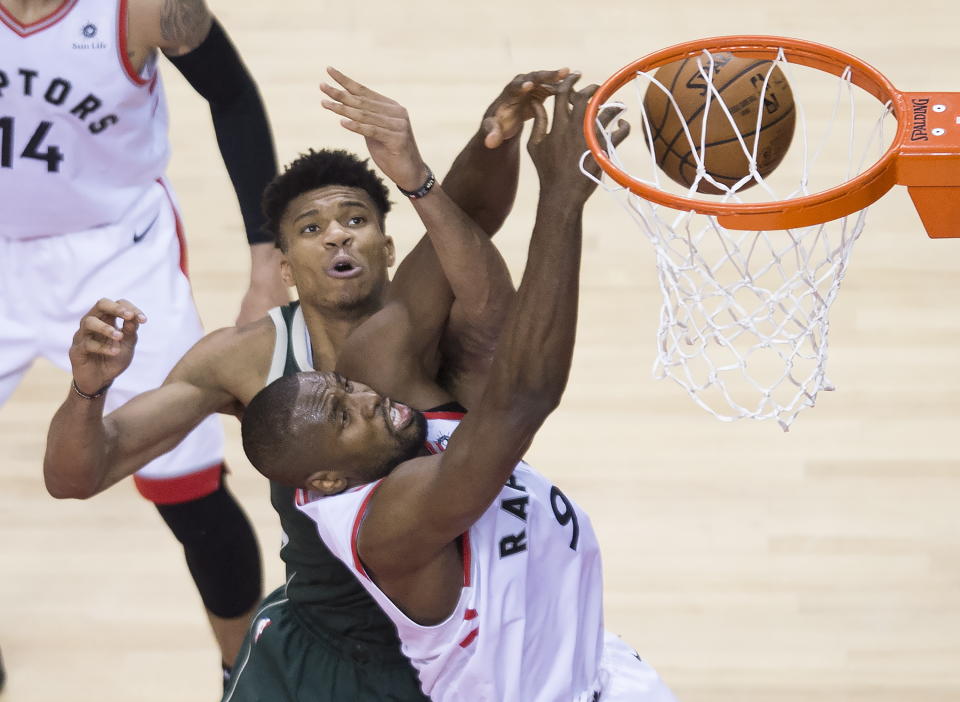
[{"x": 52, "y": 155}]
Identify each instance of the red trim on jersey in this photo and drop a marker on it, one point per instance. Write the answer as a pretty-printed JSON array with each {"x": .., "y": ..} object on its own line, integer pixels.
[
  {"x": 303, "y": 497},
  {"x": 470, "y": 637},
  {"x": 470, "y": 614},
  {"x": 182, "y": 238},
  {"x": 25, "y": 30},
  {"x": 444, "y": 415},
  {"x": 178, "y": 223},
  {"x": 465, "y": 536},
  {"x": 465, "y": 547},
  {"x": 170, "y": 491},
  {"x": 356, "y": 529},
  {"x": 429, "y": 445},
  {"x": 122, "y": 47}
]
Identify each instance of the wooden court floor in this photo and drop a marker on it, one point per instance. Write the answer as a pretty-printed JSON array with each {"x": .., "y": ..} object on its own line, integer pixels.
[{"x": 746, "y": 564}]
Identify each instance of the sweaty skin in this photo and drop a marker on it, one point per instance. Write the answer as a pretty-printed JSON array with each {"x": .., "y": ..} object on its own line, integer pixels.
[
  {"x": 87, "y": 453},
  {"x": 408, "y": 537}
]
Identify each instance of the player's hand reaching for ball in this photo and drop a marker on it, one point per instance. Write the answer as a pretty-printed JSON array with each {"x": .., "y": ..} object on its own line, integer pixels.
[
  {"x": 520, "y": 100},
  {"x": 103, "y": 346},
  {"x": 557, "y": 153},
  {"x": 383, "y": 123}
]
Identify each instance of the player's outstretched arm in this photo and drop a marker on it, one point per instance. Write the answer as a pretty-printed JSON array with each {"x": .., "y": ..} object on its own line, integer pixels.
[
  {"x": 483, "y": 177},
  {"x": 483, "y": 182},
  {"x": 454, "y": 281},
  {"x": 420, "y": 509},
  {"x": 195, "y": 42},
  {"x": 459, "y": 256},
  {"x": 87, "y": 452}
]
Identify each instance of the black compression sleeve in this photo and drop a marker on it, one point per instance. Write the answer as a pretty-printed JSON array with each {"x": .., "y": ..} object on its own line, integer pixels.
[
  {"x": 221, "y": 551},
  {"x": 216, "y": 71}
]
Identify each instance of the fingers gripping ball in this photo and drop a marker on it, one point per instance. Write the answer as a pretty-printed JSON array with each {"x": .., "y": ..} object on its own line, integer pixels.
[{"x": 740, "y": 84}]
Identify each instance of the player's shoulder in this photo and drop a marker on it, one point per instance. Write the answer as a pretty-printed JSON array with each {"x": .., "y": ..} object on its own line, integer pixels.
[
  {"x": 175, "y": 26},
  {"x": 245, "y": 344},
  {"x": 231, "y": 357},
  {"x": 404, "y": 480}
]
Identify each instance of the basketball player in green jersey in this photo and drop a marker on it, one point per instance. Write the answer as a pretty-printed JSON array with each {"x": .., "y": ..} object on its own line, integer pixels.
[{"x": 330, "y": 225}]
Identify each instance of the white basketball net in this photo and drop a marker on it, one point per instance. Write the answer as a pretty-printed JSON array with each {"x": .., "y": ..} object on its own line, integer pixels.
[{"x": 744, "y": 325}]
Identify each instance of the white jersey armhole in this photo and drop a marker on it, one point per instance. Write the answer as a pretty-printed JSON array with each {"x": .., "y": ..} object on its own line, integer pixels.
[
  {"x": 300, "y": 337},
  {"x": 279, "y": 361}
]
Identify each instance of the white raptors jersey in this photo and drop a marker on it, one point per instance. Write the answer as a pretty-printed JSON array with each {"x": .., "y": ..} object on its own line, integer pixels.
[
  {"x": 81, "y": 135},
  {"x": 529, "y": 623}
]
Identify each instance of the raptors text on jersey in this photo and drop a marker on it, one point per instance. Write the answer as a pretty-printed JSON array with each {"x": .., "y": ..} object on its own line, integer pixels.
[
  {"x": 529, "y": 622},
  {"x": 81, "y": 135}
]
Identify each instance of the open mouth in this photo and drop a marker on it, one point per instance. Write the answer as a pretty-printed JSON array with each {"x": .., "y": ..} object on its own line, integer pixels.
[
  {"x": 399, "y": 416},
  {"x": 344, "y": 266}
]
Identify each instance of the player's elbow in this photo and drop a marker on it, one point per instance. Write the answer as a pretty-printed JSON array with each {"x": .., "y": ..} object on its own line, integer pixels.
[
  {"x": 539, "y": 396},
  {"x": 545, "y": 404},
  {"x": 525, "y": 413},
  {"x": 68, "y": 491},
  {"x": 63, "y": 486}
]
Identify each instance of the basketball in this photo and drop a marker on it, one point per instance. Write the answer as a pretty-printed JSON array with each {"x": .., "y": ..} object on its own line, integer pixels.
[{"x": 740, "y": 82}]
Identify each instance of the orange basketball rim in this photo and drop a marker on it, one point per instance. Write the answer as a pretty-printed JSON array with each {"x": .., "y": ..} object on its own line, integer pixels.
[{"x": 924, "y": 154}]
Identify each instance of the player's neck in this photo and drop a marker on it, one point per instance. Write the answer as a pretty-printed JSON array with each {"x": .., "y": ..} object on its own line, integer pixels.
[
  {"x": 29, "y": 11},
  {"x": 329, "y": 332}
]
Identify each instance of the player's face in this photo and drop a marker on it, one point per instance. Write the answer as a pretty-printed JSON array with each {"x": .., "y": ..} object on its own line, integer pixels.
[
  {"x": 357, "y": 431},
  {"x": 337, "y": 254}
]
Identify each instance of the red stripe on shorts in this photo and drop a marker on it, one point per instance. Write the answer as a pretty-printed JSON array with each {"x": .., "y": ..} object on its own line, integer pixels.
[
  {"x": 181, "y": 237},
  {"x": 183, "y": 488}
]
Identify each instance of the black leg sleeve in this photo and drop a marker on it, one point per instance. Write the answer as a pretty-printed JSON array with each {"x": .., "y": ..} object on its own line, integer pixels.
[{"x": 221, "y": 551}]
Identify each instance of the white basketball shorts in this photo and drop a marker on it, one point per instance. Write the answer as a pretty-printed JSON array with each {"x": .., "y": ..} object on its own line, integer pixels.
[
  {"x": 48, "y": 284},
  {"x": 626, "y": 678}
]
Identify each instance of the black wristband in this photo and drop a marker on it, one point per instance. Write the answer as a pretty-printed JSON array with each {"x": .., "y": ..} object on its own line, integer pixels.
[
  {"x": 423, "y": 189},
  {"x": 99, "y": 393}
]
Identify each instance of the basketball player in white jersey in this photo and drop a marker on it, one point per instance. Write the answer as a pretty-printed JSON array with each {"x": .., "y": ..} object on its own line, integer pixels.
[
  {"x": 87, "y": 212},
  {"x": 491, "y": 574},
  {"x": 328, "y": 211}
]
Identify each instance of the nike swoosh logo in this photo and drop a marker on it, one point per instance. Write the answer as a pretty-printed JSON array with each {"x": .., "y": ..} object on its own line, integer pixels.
[{"x": 138, "y": 237}]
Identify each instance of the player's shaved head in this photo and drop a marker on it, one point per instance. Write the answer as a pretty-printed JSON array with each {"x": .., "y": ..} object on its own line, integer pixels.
[
  {"x": 275, "y": 425},
  {"x": 304, "y": 424}
]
